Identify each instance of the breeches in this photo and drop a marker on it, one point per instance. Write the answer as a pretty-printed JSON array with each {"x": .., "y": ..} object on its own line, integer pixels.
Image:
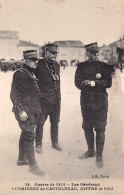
[
  {"x": 28, "y": 126},
  {"x": 96, "y": 119}
]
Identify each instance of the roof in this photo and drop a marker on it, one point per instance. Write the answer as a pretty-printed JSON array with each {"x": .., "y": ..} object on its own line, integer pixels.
[
  {"x": 104, "y": 47},
  {"x": 8, "y": 35},
  {"x": 114, "y": 43},
  {"x": 27, "y": 44},
  {"x": 69, "y": 43}
]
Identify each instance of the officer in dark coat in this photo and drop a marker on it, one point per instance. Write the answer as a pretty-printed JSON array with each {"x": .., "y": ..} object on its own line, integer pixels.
[
  {"x": 48, "y": 73},
  {"x": 92, "y": 77},
  {"x": 25, "y": 96}
]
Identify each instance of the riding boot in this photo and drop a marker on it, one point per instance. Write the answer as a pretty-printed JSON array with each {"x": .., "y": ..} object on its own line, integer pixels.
[
  {"x": 38, "y": 148},
  {"x": 22, "y": 159},
  {"x": 21, "y": 147},
  {"x": 29, "y": 147},
  {"x": 90, "y": 143},
  {"x": 100, "y": 139},
  {"x": 33, "y": 168}
]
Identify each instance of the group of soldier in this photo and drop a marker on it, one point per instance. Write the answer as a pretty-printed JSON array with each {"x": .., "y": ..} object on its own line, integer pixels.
[
  {"x": 35, "y": 94},
  {"x": 10, "y": 65},
  {"x": 114, "y": 62}
]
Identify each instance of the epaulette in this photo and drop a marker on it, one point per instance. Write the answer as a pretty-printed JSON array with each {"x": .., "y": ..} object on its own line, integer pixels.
[{"x": 19, "y": 70}]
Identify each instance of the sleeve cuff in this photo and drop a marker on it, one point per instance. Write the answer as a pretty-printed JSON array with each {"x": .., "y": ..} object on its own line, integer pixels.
[
  {"x": 20, "y": 108},
  {"x": 92, "y": 83},
  {"x": 21, "y": 112}
]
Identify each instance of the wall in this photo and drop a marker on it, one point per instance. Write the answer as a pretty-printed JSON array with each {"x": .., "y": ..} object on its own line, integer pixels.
[
  {"x": 8, "y": 49},
  {"x": 71, "y": 53}
]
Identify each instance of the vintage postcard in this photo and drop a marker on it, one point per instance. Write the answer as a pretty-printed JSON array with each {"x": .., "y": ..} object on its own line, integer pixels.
[{"x": 69, "y": 25}]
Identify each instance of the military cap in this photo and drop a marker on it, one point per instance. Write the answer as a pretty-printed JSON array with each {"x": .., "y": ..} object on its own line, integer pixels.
[
  {"x": 30, "y": 54},
  {"x": 51, "y": 48},
  {"x": 92, "y": 48}
]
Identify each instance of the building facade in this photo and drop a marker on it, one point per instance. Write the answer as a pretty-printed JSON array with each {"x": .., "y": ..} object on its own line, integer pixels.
[
  {"x": 113, "y": 46},
  {"x": 106, "y": 53},
  {"x": 11, "y": 47},
  {"x": 24, "y": 45},
  {"x": 70, "y": 51},
  {"x": 8, "y": 44}
]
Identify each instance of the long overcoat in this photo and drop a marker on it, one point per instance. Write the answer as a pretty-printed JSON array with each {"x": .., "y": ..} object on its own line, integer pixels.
[
  {"x": 25, "y": 93},
  {"x": 50, "y": 88},
  {"x": 100, "y": 73}
]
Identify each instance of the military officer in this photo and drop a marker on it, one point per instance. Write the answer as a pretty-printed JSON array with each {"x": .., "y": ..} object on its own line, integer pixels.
[
  {"x": 25, "y": 95},
  {"x": 92, "y": 77},
  {"x": 48, "y": 73}
]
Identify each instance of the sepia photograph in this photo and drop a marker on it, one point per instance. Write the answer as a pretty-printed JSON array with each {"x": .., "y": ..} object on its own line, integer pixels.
[{"x": 62, "y": 97}]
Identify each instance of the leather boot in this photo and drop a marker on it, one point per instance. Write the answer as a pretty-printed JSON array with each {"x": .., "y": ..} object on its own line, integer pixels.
[
  {"x": 23, "y": 162},
  {"x": 21, "y": 147},
  {"x": 34, "y": 169},
  {"x": 38, "y": 149},
  {"x": 100, "y": 139},
  {"x": 56, "y": 146},
  {"x": 29, "y": 146},
  {"x": 54, "y": 137},
  {"x": 90, "y": 143},
  {"x": 22, "y": 159}
]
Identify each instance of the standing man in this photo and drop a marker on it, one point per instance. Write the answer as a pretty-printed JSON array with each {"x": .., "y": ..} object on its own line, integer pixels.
[
  {"x": 92, "y": 78},
  {"x": 48, "y": 73},
  {"x": 25, "y": 96}
]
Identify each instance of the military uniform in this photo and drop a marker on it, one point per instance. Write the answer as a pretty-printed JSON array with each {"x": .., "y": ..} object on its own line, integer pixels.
[
  {"x": 94, "y": 101},
  {"x": 25, "y": 95},
  {"x": 48, "y": 74},
  {"x": 49, "y": 86}
]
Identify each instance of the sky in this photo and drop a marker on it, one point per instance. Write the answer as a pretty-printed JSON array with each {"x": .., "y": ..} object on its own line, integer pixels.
[{"x": 41, "y": 21}]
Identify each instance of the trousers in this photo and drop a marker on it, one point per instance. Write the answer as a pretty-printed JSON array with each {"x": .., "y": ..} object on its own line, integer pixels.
[
  {"x": 26, "y": 140},
  {"x": 96, "y": 119},
  {"x": 53, "y": 111}
]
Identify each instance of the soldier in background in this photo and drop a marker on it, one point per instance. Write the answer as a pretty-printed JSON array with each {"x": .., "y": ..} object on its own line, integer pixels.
[
  {"x": 25, "y": 96},
  {"x": 48, "y": 73},
  {"x": 120, "y": 52},
  {"x": 112, "y": 62},
  {"x": 92, "y": 77}
]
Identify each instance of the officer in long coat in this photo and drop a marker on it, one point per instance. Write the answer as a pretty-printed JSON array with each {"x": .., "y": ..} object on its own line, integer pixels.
[
  {"x": 92, "y": 77},
  {"x": 25, "y": 96},
  {"x": 48, "y": 73}
]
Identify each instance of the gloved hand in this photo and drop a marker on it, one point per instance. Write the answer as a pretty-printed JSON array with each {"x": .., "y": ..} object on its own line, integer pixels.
[
  {"x": 23, "y": 116},
  {"x": 85, "y": 83}
]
